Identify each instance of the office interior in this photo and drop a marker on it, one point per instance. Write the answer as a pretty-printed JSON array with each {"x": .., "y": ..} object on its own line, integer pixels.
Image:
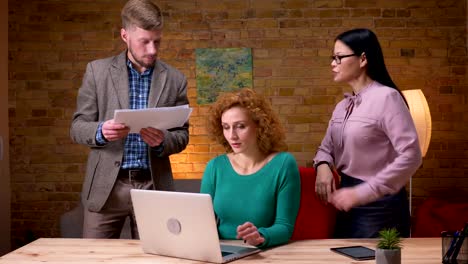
[{"x": 45, "y": 46}]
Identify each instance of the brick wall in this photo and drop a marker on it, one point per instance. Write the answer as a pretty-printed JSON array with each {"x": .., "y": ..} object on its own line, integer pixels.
[{"x": 424, "y": 43}]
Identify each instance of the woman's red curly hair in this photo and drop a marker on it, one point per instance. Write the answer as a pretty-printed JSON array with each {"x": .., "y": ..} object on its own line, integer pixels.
[{"x": 270, "y": 133}]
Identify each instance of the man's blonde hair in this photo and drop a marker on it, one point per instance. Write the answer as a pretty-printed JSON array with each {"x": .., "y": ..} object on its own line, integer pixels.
[{"x": 144, "y": 14}]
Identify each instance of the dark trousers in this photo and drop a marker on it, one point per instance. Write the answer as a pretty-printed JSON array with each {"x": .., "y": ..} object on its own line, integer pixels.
[{"x": 366, "y": 221}]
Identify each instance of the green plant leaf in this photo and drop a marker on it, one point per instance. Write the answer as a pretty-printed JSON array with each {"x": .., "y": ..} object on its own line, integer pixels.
[{"x": 389, "y": 238}]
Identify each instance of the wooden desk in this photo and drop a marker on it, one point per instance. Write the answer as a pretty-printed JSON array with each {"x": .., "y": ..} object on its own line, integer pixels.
[{"x": 63, "y": 250}]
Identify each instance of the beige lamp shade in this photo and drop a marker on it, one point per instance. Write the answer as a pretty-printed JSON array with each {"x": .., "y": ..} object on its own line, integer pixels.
[{"x": 421, "y": 115}]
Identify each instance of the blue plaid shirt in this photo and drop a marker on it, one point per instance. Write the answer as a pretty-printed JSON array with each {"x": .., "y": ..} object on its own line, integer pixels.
[{"x": 135, "y": 149}]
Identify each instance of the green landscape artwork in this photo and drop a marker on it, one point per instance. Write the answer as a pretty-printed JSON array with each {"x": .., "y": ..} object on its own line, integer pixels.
[{"x": 222, "y": 70}]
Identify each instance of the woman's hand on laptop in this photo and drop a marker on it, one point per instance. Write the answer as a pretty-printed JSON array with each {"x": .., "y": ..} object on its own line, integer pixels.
[{"x": 249, "y": 233}]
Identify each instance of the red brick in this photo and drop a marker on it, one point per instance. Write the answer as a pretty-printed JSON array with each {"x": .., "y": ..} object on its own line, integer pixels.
[{"x": 360, "y": 3}]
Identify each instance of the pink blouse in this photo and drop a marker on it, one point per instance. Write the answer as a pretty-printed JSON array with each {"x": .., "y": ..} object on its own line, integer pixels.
[{"x": 371, "y": 136}]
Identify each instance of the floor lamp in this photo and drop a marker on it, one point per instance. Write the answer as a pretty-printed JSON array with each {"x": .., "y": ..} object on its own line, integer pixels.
[{"x": 421, "y": 115}]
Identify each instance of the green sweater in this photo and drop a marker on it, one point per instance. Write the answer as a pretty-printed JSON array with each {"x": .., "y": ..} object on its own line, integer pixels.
[{"x": 268, "y": 198}]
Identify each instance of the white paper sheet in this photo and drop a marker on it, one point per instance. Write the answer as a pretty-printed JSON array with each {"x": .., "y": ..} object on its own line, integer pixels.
[{"x": 160, "y": 118}]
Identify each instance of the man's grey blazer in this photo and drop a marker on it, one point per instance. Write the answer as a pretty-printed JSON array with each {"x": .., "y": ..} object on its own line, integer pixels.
[{"x": 105, "y": 88}]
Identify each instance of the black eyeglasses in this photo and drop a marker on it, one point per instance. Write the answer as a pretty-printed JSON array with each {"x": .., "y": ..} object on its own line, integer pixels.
[{"x": 337, "y": 58}]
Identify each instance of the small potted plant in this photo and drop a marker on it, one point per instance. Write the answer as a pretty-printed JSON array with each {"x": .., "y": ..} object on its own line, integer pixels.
[{"x": 388, "y": 249}]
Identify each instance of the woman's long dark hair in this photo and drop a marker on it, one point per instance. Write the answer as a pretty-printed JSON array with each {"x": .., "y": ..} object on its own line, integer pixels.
[{"x": 363, "y": 40}]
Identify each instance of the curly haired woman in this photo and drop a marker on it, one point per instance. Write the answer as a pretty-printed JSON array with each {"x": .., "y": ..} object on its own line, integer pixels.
[{"x": 255, "y": 186}]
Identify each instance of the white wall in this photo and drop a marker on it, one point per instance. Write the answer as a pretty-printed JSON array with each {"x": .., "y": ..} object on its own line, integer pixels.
[{"x": 5, "y": 190}]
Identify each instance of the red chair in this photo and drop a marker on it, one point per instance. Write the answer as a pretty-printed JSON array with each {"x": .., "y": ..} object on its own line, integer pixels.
[
  {"x": 435, "y": 215},
  {"x": 314, "y": 220}
]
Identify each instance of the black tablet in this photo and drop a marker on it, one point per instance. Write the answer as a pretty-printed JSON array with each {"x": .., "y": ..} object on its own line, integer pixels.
[{"x": 355, "y": 252}]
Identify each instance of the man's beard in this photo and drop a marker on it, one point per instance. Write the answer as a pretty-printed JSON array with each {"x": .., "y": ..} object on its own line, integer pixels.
[{"x": 141, "y": 62}]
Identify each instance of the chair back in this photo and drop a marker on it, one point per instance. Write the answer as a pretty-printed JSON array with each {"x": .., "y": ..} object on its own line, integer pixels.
[
  {"x": 435, "y": 215},
  {"x": 315, "y": 220}
]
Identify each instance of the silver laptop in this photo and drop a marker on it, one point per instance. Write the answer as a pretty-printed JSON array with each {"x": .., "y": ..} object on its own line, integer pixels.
[{"x": 182, "y": 225}]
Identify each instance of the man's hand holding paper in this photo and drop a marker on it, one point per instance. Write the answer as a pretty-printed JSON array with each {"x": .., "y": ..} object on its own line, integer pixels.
[
  {"x": 113, "y": 131},
  {"x": 160, "y": 118},
  {"x": 152, "y": 136}
]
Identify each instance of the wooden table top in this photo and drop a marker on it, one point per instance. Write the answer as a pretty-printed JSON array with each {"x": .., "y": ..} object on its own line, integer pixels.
[{"x": 66, "y": 250}]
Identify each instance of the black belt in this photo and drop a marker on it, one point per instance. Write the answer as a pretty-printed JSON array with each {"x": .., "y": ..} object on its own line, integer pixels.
[{"x": 135, "y": 174}]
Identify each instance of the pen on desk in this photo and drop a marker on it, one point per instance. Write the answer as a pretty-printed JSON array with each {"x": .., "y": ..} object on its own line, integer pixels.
[
  {"x": 459, "y": 243},
  {"x": 457, "y": 247},
  {"x": 451, "y": 248}
]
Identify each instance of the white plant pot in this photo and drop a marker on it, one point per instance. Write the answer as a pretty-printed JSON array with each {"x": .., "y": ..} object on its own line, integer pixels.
[{"x": 387, "y": 256}]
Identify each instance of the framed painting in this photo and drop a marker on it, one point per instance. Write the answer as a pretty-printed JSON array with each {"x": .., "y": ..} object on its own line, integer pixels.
[{"x": 222, "y": 70}]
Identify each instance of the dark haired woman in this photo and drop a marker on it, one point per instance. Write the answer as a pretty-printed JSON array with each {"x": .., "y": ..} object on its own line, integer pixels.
[{"x": 371, "y": 140}]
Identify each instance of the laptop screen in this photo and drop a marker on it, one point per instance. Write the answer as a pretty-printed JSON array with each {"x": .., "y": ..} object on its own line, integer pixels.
[{"x": 177, "y": 224}]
